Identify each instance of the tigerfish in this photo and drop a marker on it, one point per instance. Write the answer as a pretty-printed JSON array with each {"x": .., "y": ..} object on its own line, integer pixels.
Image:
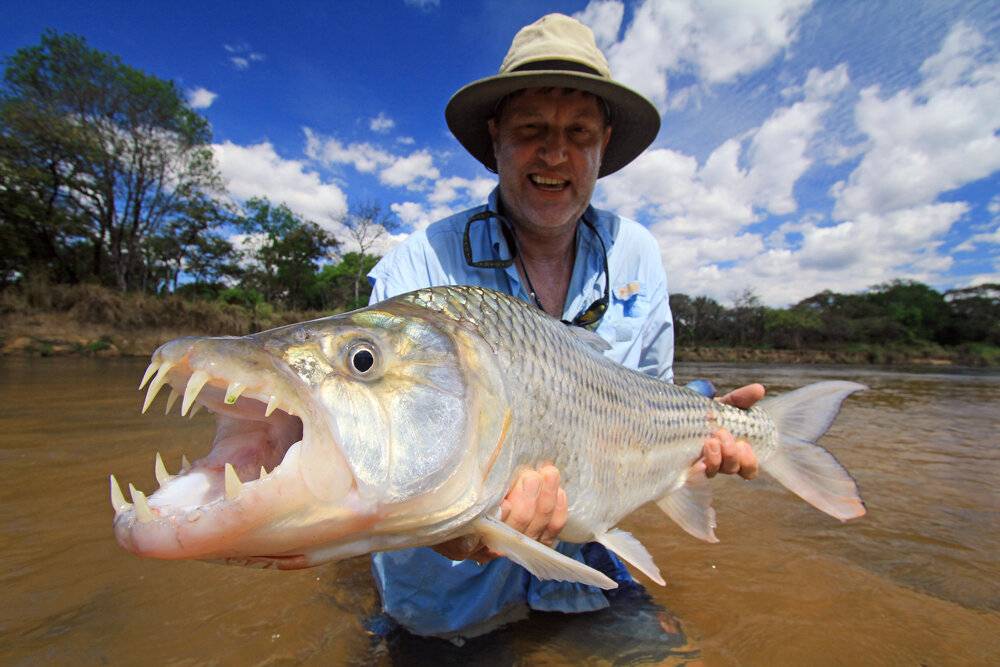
[{"x": 405, "y": 423}]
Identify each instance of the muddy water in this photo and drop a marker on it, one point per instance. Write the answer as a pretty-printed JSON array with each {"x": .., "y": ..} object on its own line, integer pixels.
[{"x": 917, "y": 581}]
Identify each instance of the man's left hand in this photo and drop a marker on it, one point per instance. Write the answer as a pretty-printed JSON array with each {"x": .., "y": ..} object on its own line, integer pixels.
[{"x": 724, "y": 453}]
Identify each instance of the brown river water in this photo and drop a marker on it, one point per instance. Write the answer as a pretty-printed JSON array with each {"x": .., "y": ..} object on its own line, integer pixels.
[{"x": 916, "y": 581}]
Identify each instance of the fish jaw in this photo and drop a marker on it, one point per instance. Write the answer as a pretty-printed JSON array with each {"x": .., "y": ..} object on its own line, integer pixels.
[{"x": 301, "y": 470}]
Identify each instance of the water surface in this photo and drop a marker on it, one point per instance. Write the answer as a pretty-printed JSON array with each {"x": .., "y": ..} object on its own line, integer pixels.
[{"x": 916, "y": 581}]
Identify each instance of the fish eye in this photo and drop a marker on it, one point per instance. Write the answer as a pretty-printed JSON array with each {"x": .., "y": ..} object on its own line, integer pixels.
[{"x": 362, "y": 358}]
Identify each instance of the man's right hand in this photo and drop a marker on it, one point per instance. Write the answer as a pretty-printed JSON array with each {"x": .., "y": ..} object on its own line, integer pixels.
[{"x": 535, "y": 506}]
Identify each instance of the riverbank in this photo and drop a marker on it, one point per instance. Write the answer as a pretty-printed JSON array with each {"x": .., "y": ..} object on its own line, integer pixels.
[{"x": 89, "y": 320}]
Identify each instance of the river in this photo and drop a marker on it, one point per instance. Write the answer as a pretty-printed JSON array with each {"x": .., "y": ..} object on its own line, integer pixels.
[{"x": 915, "y": 581}]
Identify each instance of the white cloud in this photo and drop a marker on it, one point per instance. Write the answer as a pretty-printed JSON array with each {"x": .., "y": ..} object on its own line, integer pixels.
[
  {"x": 242, "y": 56},
  {"x": 381, "y": 123},
  {"x": 406, "y": 141},
  {"x": 604, "y": 17},
  {"x": 200, "y": 98},
  {"x": 447, "y": 190},
  {"x": 424, "y": 5},
  {"x": 715, "y": 40},
  {"x": 257, "y": 170},
  {"x": 929, "y": 140},
  {"x": 411, "y": 171}
]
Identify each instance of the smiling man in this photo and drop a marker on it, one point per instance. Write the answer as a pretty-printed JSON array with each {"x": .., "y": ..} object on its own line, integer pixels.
[{"x": 549, "y": 124}]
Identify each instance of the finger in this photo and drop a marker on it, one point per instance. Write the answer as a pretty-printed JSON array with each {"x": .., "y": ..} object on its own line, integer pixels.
[
  {"x": 522, "y": 498},
  {"x": 730, "y": 454},
  {"x": 744, "y": 397},
  {"x": 748, "y": 460},
  {"x": 545, "y": 503},
  {"x": 711, "y": 454},
  {"x": 558, "y": 521}
]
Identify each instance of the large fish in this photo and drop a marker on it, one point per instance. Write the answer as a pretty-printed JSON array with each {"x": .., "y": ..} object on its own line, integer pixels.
[{"x": 404, "y": 424}]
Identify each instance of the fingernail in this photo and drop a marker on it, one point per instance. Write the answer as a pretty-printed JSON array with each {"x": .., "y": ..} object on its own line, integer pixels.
[{"x": 531, "y": 485}]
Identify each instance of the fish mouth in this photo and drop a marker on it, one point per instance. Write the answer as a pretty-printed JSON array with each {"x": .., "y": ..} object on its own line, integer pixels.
[{"x": 273, "y": 469}]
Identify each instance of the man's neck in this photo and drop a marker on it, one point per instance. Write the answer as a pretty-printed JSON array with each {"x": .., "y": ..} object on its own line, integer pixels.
[{"x": 547, "y": 259}]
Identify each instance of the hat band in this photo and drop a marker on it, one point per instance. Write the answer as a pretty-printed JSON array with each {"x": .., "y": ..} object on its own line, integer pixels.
[{"x": 567, "y": 65}]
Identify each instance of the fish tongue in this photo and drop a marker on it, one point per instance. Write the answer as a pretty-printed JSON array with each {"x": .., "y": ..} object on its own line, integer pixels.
[{"x": 324, "y": 470}]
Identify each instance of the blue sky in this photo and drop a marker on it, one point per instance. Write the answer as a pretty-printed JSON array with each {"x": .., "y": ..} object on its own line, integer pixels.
[{"x": 805, "y": 145}]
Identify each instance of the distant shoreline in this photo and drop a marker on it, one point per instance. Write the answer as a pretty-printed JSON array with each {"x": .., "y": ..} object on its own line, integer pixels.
[{"x": 51, "y": 336}]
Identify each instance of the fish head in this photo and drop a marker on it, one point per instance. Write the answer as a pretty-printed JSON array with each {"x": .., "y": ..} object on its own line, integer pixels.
[{"x": 364, "y": 431}]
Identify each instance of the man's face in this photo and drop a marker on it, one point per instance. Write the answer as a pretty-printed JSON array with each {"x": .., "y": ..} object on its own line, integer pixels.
[{"x": 548, "y": 145}]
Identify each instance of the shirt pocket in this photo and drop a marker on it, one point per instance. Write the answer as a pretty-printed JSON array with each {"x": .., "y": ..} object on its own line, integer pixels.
[{"x": 630, "y": 307}]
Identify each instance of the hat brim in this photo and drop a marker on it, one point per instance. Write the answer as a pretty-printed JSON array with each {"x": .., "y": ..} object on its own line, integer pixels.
[{"x": 635, "y": 121}]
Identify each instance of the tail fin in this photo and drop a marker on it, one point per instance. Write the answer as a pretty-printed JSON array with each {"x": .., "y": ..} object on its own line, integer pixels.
[{"x": 801, "y": 465}]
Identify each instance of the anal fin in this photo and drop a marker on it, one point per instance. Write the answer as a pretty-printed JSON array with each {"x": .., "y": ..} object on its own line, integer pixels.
[
  {"x": 535, "y": 557},
  {"x": 690, "y": 506},
  {"x": 629, "y": 549}
]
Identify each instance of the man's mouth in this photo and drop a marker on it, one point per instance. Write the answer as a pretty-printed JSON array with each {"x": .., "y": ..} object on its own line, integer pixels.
[{"x": 547, "y": 183}]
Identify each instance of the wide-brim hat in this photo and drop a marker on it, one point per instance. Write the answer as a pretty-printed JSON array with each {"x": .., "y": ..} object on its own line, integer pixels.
[{"x": 555, "y": 51}]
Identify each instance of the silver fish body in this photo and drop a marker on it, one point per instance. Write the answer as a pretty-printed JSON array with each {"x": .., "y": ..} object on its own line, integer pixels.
[{"x": 404, "y": 424}]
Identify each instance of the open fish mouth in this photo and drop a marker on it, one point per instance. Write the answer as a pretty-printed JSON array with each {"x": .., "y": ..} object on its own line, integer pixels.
[{"x": 273, "y": 461}]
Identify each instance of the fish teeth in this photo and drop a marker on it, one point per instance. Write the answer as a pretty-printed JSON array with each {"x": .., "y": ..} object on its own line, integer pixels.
[
  {"x": 185, "y": 464},
  {"x": 160, "y": 470},
  {"x": 156, "y": 384},
  {"x": 150, "y": 370},
  {"x": 272, "y": 405},
  {"x": 194, "y": 385},
  {"x": 171, "y": 400},
  {"x": 194, "y": 410},
  {"x": 263, "y": 473},
  {"x": 233, "y": 483},
  {"x": 233, "y": 392},
  {"x": 142, "y": 510},
  {"x": 118, "y": 501}
]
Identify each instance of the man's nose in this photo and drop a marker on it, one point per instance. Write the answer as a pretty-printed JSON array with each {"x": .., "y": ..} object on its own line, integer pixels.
[{"x": 553, "y": 148}]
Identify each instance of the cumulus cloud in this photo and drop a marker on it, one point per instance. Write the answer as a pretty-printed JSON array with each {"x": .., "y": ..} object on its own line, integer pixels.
[
  {"x": 930, "y": 139},
  {"x": 414, "y": 171},
  {"x": 200, "y": 98},
  {"x": 381, "y": 123},
  {"x": 257, "y": 170},
  {"x": 604, "y": 17},
  {"x": 716, "y": 41}
]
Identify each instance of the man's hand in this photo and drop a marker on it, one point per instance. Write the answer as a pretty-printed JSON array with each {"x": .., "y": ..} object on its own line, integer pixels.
[
  {"x": 724, "y": 453},
  {"x": 535, "y": 506}
]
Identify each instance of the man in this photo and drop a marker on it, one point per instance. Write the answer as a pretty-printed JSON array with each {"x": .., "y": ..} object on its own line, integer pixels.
[{"x": 550, "y": 124}]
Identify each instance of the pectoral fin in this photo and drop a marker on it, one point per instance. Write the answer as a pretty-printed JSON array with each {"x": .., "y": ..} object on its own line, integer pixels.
[
  {"x": 691, "y": 505},
  {"x": 631, "y": 550},
  {"x": 535, "y": 557}
]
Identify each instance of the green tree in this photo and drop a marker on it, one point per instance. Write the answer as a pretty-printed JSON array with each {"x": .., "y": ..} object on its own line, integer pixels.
[
  {"x": 337, "y": 283},
  {"x": 117, "y": 151},
  {"x": 366, "y": 225},
  {"x": 283, "y": 252}
]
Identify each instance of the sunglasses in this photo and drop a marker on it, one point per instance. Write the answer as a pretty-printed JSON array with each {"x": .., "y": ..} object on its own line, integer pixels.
[{"x": 589, "y": 318}]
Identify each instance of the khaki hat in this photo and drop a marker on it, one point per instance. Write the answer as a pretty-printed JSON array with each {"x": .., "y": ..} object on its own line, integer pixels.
[{"x": 556, "y": 51}]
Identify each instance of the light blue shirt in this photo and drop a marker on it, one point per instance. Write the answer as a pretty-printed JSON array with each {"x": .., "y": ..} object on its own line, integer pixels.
[{"x": 425, "y": 592}]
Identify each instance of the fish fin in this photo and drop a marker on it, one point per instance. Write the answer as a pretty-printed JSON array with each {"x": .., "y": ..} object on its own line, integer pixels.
[
  {"x": 589, "y": 338},
  {"x": 535, "y": 557},
  {"x": 628, "y": 548},
  {"x": 691, "y": 504},
  {"x": 802, "y": 466}
]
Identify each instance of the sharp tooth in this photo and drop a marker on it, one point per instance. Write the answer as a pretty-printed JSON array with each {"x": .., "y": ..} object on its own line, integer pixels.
[
  {"x": 194, "y": 410},
  {"x": 118, "y": 498},
  {"x": 150, "y": 370},
  {"x": 156, "y": 384},
  {"x": 160, "y": 470},
  {"x": 171, "y": 400},
  {"x": 263, "y": 473},
  {"x": 272, "y": 405},
  {"x": 194, "y": 385},
  {"x": 185, "y": 464},
  {"x": 141, "y": 506},
  {"x": 234, "y": 391},
  {"x": 233, "y": 483}
]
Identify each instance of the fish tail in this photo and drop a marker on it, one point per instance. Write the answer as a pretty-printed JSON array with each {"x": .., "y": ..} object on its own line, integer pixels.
[{"x": 802, "y": 466}]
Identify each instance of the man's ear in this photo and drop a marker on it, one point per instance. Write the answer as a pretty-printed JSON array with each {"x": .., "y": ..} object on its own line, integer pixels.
[
  {"x": 607, "y": 138},
  {"x": 491, "y": 125}
]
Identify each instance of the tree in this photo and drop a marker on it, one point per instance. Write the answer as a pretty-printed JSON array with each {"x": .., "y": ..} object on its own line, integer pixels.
[
  {"x": 118, "y": 152},
  {"x": 283, "y": 251},
  {"x": 367, "y": 224}
]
